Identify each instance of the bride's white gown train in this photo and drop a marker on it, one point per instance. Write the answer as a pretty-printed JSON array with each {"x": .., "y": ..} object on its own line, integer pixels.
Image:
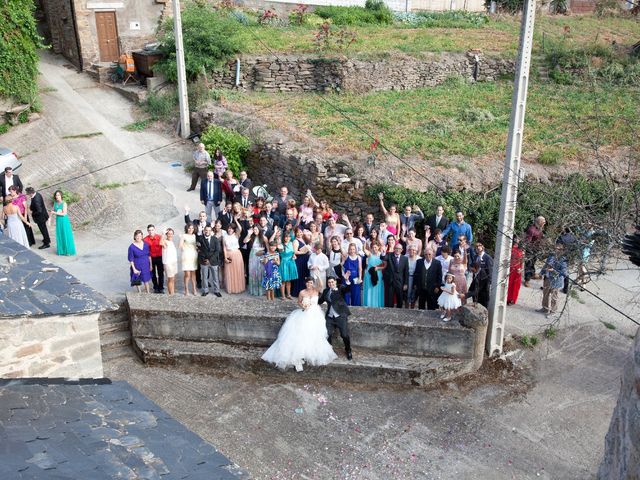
[{"x": 302, "y": 339}]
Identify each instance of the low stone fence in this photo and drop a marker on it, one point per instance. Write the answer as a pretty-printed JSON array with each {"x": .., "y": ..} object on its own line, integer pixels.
[
  {"x": 296, "y": 73},
  {"x": 412, "y": 344}
]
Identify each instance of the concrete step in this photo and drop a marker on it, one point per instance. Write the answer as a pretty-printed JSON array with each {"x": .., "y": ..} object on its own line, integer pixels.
[
  {"x": 119, "y": 352},
  {"x": 367, "y": 367},
  {"x": 117, "y": 339},
  {"x": 114, "y": 320}
]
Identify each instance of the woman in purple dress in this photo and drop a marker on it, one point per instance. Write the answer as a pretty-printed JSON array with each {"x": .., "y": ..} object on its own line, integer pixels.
[{"x": 140, "y": 262}]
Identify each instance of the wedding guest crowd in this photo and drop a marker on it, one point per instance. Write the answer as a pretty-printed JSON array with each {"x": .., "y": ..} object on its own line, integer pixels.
[{"x": 268, "y": 247}]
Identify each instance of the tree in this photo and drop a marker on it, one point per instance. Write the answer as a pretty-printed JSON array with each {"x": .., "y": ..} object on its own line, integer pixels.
[{"x": 210, "y": 38}]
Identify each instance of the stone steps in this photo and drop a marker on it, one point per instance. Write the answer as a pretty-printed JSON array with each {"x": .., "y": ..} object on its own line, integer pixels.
[
  {"x": 367, "y": 367},
  {"x": 115, "y": 334}
]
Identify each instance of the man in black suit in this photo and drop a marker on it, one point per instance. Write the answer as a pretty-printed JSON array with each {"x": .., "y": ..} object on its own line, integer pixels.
[
  {"x": 244, "y": 182},
  {"x": 226, "y": 216},
  {"x": 282, "y": 201},
  {"x": 437, "y": 221},
  {"x": 337, "y": 311},
  {"x": 245, "y": 200},
  {"x": 428, "y": 280},
  {"x": 368, "y": 225},
  {"x": 209, "y": 260},
  {"x": 7, "y": 180},
  {"x": 211, "y": 195},
  {"x": 480, "y": 288},
  {"x": 396, "y": 277},
  {"x": 198, "y": 223},
  {"x": 40, "y": 215}
]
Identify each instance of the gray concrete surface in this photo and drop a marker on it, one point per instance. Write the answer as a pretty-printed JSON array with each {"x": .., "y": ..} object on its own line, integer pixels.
[{"x": 545, "y": 418}]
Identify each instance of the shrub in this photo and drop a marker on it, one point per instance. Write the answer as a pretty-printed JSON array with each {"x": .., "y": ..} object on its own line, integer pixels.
[
  {"x": 211, "y": 38},
  {"x": 234, "y": 146},
  {"x": 452, "y": 19},
  {"x": 298, "y": 15},
  {"x": 19, "y": 41},
  {"x": 70, "y": 197},
  {"x": 377, "y": 14},
  {"x": 327, "y": 38},
  {"x": 477, "y": 115}
]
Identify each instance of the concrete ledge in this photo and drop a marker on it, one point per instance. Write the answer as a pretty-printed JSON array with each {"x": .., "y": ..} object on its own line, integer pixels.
[
  {"x": 393, "y": 346},
  {"x": 366, "y": 367},
  {"x": 256, "y": 322}
]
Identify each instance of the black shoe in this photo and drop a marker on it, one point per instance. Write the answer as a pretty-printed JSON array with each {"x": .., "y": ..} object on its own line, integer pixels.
[
  {"x": 218, "y": 294},
  {"x": 42, "y": 247},
  {"x": 190, "y": 189},
  {"x": 204, "y": 294},
  {"x": 349, "y": 355}
]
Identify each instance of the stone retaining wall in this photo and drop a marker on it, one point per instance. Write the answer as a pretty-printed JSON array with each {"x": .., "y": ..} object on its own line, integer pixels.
[
  {"x": 295, "y": 73},
  {"x": 622, "y": 444},
  {"x": 51, "y": 346}
]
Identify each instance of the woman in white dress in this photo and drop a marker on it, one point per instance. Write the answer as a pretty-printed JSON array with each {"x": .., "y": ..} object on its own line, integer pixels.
[
  {"x": 169, "y": 260},
  {"x": 303, "y": 336},
  {"x": 15, "y": 223},
  {"x": 189, "y": 258}
]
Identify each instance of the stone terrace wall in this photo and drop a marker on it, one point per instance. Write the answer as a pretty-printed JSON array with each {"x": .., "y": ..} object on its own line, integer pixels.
[{"x": 306, "y": 73}]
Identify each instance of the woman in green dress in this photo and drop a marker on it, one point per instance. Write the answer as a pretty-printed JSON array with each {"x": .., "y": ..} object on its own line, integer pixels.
[{"x": 64, "y": 235}]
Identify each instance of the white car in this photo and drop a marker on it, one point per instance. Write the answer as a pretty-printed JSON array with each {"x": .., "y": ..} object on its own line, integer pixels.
[{"x": 8, "y": 158}]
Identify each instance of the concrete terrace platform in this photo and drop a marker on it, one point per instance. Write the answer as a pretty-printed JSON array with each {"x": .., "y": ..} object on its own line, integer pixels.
[
  {"x": 390, "y": 345},
  {"x": 96, "y": 429}
]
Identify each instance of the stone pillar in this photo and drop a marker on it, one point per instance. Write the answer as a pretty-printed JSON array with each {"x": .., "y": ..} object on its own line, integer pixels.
[
  {"x": 622, "y": 443},
  {"x": 475, "y": 316}
]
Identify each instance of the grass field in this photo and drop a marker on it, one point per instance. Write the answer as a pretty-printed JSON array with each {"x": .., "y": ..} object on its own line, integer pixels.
[
  {"x": 459, "y": 118},
  {"x": 499, "y": 35}
]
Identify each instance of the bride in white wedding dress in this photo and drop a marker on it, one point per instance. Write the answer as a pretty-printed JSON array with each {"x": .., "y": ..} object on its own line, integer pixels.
[{"x": 303, "y": 336}]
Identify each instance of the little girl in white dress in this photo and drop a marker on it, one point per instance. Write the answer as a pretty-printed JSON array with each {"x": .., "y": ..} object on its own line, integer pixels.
[{"x": 449, "y": 299}]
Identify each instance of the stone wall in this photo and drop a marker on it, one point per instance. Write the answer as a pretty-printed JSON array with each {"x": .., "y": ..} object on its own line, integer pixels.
[
  {"x": 62, "y": 24},
  {"x": 295, "y": 73},
  {"x": 622, "y": 444},
  {"x": 53, "y": 346}
]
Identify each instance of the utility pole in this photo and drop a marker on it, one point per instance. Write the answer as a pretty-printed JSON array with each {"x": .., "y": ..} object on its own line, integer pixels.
[
  {"x": 511, "y": 177},
  {"x": 183, "y": 98}
]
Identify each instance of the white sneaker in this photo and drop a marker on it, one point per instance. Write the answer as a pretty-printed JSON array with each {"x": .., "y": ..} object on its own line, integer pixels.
[
  {"x": 446, "y": 319},
  {"x": 298, "y": 367},
  {"x": 442, "y": 316}
]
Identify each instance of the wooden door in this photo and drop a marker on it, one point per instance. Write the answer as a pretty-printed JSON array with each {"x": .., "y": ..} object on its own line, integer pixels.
[{"x": 107, "y": 36}]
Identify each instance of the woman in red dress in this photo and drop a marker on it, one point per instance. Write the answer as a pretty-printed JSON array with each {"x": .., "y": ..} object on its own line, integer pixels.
[{"x": 515, "y": 272}]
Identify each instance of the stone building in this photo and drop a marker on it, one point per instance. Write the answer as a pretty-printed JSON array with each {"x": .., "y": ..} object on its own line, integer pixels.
[
  {"x": 88, "y": 32},
  {"x": 48, "y": 319}
]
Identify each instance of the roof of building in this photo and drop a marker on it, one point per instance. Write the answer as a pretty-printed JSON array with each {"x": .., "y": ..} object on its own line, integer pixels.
[
  {"x": 33, "y": 286},
  {"x": 96, "y": 429}
]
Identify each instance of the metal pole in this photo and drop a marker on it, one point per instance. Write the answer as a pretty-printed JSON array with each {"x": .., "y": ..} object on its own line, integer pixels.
[
  {"x": 502, "y": 260},
  {"x": 183, "y": 98}
]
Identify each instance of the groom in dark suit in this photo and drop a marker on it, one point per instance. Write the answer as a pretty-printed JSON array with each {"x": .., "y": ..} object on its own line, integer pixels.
[
  {"x": 396, "y": 277},
  {"x": 337, "y": 312},
  {"x": 40, "y": 215},
  {"x": 436, "y": 222}
]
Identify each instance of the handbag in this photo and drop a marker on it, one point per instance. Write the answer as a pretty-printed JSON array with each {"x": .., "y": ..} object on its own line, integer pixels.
[{"x": 136, "y": 281}]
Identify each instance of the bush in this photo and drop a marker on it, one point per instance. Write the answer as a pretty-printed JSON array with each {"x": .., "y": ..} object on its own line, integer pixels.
[
  {"x": 211, "y": 38},
  {"x": 374, "y": 13},
  {"x": 234, "y": 146},
  {"x": 19, "y": 41},
  {"x": 452, "y": 19}
]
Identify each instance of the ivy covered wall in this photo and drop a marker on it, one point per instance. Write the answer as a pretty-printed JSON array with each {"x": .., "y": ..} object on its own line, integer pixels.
[{"x": 19, "y": 41}]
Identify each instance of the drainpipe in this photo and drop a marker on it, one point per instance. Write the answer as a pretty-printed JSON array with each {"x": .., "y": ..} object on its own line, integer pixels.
[
  {"x": 238, "y": 72},
  {"x": 75, "y": 29}
]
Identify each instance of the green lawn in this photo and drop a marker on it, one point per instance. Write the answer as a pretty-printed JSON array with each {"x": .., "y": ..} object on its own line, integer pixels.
[
  {"x": 500, "y": 34},
  {"x": 452, "y": 119}
]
